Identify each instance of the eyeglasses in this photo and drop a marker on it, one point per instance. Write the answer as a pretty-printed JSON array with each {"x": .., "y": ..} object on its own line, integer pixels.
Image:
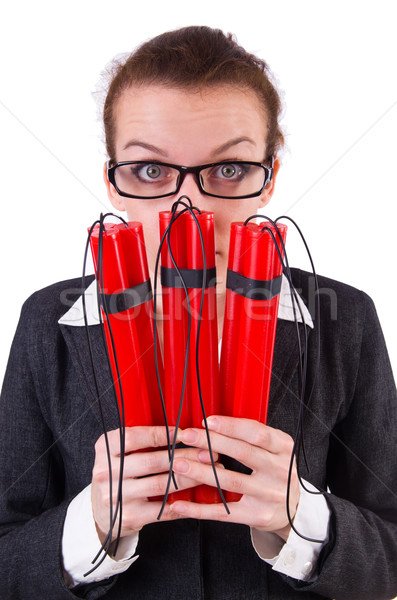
[{"x": 152, "y": 179}]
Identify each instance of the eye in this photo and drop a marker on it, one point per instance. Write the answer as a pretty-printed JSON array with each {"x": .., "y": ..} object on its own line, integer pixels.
[
  {"x": 147, "y": 172},
  {"x": 152, "y": 171},
  {"x": 228, "y": 171},
  {"x": 231, "y": 171}
]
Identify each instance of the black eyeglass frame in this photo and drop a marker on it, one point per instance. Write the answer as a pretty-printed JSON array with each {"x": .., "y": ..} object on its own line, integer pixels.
[{"x": 183, "y": 171}]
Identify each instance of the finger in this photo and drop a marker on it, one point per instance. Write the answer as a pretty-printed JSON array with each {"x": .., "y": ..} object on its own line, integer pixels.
[
  {"x": 228, "y": 480},
  {"x": 139, "y": 464},
  {"x": 147, "y": 512},
  {"x": 271, "y": 439},
  {"x": 140, "y": 437},
  {"x": 136, "y": 438},
  {"x": 154, "y": 485},
  {"x": 250, "y": 455},
  {"x": 213, "y": 512}
]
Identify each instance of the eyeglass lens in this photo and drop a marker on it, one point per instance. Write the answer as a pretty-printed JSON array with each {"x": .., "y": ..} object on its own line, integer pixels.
[{"x": 228, "y": 180}]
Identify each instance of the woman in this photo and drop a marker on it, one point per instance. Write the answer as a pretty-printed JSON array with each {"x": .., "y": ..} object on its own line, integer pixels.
[{"x": 190, "y": 98}]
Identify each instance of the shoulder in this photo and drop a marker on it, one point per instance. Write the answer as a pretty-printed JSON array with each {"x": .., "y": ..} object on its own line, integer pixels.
[
  {"x": 345, "y": 319},
  {"x": 339, "y": 302},
  {"x": 51, "y": 302},
  {"x": 38, "y": 323},
  {"x": 347, "y": 335},
  {"x": 39, "y": 350}
]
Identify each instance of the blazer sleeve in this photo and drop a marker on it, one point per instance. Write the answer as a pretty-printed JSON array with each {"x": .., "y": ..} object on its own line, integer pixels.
[
  {"x": 359, "y": 562},
  {"x": 32, "y": 478}
]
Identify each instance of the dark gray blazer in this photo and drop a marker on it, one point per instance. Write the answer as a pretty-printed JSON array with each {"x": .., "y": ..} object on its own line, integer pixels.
[{"x": 49, "y": 422}]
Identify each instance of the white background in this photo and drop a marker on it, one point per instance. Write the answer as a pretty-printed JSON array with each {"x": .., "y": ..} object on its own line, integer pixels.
[{"x": 336, "y": 64}]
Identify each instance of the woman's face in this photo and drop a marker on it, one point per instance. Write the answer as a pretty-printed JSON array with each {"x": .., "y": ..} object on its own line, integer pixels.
[{"x": 190, "y": 128}]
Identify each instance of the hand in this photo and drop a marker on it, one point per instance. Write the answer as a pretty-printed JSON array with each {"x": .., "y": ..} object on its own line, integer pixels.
[
  {"x": 137, "y": 487},
  {"x": 266, "y": 451}
]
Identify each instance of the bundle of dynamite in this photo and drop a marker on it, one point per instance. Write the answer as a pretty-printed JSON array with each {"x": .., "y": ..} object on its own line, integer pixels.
[{"x": 183, "y": 381}]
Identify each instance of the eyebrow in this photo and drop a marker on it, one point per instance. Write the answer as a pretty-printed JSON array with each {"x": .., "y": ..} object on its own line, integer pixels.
[
  {"x": 231, "y": 143},
  {"x": 146, "y": 146},
  {"x": 219, "y": 150}
]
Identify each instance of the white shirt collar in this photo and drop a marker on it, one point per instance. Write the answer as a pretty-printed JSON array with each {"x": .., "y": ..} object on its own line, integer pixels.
[
  {"x": 75, "y": 316},
  {"x": 285, "y": 307}
]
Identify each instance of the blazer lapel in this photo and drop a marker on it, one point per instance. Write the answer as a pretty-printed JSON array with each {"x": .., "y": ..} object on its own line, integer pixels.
[
  {"x": 77, "y": 342},
  {"x": 285, "y": 368}
]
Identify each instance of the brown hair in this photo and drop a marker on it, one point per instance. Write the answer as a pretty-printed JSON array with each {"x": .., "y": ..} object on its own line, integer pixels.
[{"x": 194, "y": 57}]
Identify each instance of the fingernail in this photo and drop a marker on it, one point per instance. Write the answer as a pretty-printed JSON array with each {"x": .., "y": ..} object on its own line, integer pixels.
[
  {"x": 204, "y": 456},
  {"x": 189, "y": 436},
  {"x": 213, "y": 423},
  {"x": 181, "y": 466}
]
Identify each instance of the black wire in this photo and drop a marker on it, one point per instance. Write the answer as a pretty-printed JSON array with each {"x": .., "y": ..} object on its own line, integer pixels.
[
  {"x": 318, "y": 333},
  {"x": 155, "y": 329},
  {"x": 302, "y": 371},
  {"x": 112, "y": 517},
  {"x": 302, "y": 364},
  {"x": 172, "y": 454},
  {"x": 166, "y": 236},
  {"x": 298, "y": 441},
  {"x": 93, "y": 367},
  {"x": 191, "y": 210},
  {"x": 188, "y": 208},
  {"x": 101, "y": 304},
  {"x": 198, "y": 366},
  {"x": 98, "y": 394},
  {"x": 156, "y": 365},
  {"x": 121, "y": 416},
  {"x": 101, "y": 300}
]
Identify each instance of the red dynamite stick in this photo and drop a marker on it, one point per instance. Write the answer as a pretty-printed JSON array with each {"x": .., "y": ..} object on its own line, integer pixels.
[
  {"x": 175, "y": 331},
  {"x": 144, "y": 317},
  {"x": 250, "y": 386},
  {"x": 231, "y": 320},
  {"x": 208, "y": 340},
  {"x": 231, "y": 327},
  {"x": 124, "y": 267},
  {"x": 175, "y": 324},
  {"x": 258, "y": 327}
]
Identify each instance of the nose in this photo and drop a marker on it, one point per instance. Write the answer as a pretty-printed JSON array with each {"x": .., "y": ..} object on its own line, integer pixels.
[{"x": 191, "y": 189}]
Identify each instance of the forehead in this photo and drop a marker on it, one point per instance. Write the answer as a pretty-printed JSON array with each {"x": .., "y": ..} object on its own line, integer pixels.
[{"x": 192, "y": 121}]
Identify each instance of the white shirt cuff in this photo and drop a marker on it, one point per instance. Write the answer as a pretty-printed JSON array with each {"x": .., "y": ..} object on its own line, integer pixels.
[
  {"x": 80, "y": 544},
  {"x": 297, "y": 557}
]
